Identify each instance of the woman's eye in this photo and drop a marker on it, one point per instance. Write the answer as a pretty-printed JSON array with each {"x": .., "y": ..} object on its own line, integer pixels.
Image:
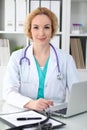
[
  {"x": 47, "y": 27},
  {"x": 35, "y": 27}
]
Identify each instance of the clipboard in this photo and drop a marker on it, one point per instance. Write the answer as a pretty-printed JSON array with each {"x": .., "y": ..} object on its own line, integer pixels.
[{"x": 11, "y": 120}]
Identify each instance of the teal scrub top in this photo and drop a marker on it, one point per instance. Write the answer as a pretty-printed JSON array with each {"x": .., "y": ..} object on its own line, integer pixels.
[{"x": 42, "y": 75}]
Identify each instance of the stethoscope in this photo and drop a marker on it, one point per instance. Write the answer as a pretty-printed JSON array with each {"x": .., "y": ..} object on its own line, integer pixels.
[{"x": 59, "y": 75}]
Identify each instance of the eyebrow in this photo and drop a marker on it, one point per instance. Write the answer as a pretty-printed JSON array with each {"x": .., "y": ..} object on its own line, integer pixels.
[{"x": 44, "y": 25}]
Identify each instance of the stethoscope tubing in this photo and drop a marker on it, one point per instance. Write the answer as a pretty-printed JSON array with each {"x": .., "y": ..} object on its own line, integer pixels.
[
  {"x": 59, "y": 75},
  {"x": 57, "y": 60}
]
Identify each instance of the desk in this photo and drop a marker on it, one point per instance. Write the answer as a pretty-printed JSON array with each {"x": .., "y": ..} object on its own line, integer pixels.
[{"x": 78, "y": 122}]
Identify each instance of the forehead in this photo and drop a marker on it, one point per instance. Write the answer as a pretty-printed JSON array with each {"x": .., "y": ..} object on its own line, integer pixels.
[{"x": 41, "y": 19}]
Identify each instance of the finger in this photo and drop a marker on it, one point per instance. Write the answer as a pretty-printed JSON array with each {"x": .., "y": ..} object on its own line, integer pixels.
[{"x": 48, "y": 102}]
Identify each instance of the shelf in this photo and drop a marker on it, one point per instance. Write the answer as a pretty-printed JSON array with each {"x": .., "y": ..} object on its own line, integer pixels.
[
  {"x": 78, "y": 35},
  {"x": 78, "y": 0},
  {"x": 11, "y": 32},
  {"x": 82, "y": 70}
]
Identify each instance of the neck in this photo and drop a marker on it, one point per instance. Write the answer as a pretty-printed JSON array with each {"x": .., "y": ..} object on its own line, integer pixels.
[
  {"x": 41, "y": 50},
  {"x": 42, "y": 53}
]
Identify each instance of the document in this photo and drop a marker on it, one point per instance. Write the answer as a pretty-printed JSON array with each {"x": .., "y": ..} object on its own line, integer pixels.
[{"x": 12, "y": 119}]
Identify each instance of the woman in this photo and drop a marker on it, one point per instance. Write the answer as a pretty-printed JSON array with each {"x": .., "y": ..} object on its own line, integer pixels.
[{"x": 32, "y": 82}]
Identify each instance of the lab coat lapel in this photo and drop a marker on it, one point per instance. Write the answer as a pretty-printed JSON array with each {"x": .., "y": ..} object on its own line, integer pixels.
[
  {"x": 51, "y": 65},
  {"x": 33, "y": 68}
]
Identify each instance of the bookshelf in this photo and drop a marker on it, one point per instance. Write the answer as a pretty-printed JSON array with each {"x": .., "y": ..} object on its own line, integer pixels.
[{"x": 77, "y": 30}]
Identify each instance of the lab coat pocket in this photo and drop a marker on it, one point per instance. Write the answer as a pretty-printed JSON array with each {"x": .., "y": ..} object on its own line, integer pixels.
[
  {"x": 29, "y": 89},
  {"x": 25, "y": 73}
]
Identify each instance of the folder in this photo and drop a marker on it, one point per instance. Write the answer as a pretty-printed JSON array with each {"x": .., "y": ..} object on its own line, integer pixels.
[
  {"x": 34, "y": 4},
  {"x": 11, "y": 119},
  {"x": 74, "y": 51},
  {"x": 21, "y": 12},
  {"x": 86, "y": 55},
  {"x": 4, "y": 51},
  {"x": 55, "y": 7},
  {"x": 9, "y": 15},
  {"x": 46, "y": 3},
  {"x": 77, "y": 53},
  {"x": 82, "y": 64}
]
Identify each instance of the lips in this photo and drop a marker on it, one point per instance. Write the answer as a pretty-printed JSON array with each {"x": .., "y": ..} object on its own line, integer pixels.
[{"x": 41, "y": 39}]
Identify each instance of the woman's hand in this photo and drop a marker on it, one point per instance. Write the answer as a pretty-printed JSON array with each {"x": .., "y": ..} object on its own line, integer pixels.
[{"x": 39, "y": 105}]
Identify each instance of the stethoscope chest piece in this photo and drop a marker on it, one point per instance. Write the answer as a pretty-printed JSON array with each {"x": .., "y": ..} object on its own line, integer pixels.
[{"x": 59, "y": 76}]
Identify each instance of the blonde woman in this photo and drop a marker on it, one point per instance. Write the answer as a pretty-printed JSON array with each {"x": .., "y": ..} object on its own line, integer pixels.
[{"x": 39, "y": 75}]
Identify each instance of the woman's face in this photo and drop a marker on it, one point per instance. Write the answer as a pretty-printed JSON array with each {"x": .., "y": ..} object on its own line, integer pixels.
[{"x": 41, "y": 29}]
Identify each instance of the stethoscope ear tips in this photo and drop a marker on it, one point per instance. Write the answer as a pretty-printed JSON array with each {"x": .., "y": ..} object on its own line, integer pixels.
[{"x": 59, "y": 76}]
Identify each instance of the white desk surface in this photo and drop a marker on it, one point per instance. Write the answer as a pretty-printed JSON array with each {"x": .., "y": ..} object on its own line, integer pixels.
[{"x": 78, "y": 122}]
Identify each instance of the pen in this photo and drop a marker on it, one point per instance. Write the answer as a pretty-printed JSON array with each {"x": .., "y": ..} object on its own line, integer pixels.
[{"x": 28, "y": 118}]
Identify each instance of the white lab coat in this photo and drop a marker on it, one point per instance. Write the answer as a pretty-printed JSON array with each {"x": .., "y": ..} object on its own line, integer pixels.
[{"x": 22, "y": 81}]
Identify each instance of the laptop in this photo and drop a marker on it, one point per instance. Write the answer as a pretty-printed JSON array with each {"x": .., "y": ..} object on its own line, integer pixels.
[{"x": 77, "y": 102}]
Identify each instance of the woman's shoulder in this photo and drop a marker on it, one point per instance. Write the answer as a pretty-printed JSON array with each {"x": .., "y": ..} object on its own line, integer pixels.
[
  {"x": 62, "y": 53},
  {"x": 19, "y": 53}
]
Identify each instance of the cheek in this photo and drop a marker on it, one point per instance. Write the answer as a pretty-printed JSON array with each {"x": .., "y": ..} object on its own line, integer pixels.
[
  {"x": 33, "y": 33},
  {"x": 49, "y": 35}
]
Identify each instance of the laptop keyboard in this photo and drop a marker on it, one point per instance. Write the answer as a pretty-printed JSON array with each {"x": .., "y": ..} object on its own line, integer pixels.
[{"x": 62, "y": 111}]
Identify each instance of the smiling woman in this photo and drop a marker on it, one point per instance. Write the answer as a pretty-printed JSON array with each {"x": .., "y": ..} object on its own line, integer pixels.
[{"x": 38, "y": 75}]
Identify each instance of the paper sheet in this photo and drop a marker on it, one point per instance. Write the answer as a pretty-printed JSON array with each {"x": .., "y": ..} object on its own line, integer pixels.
[{"x": 12, "y": 118}]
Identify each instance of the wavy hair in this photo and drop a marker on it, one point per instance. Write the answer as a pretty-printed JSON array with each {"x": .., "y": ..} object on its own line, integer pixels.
[{"x": 40, "y": 11}]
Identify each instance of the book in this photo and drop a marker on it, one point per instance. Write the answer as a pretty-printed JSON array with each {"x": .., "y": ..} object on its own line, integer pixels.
[
  {"x": 21, "y": 12},
  {"x": 82, "y": 64},
  {"x": 33, "y": 4},
  {"x": 86, "y": 54},
  {"x": 55, "y": 7},
  {"x": 4, "y": 52},
  {"x": 46, "y": 4},
  {"x": 9, "y": 15},
  {"x": 76, "y": 52}
]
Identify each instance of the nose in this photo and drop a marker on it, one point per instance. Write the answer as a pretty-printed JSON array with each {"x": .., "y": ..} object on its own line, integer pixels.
[{"x": 41, "y": 32}]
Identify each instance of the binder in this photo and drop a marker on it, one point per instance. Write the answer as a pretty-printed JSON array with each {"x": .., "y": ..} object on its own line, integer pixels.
[
  {"x": 74, "y": 51},
  {"x": 9, "y": 15},
  {"x": 4, "y": 52},
  {"x": 34, "y": 4},
  {"x": 77, "y": 53},
  {"x": 82, "y": 64},
  {"x": 55, "y": 7},
  {"x": 46, "y": 3},
  {"x": 86, "y": 55},
  {"x": 21, "y": 12}
]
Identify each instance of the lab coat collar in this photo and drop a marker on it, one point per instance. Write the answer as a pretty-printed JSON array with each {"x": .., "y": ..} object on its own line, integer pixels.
[{"x": 51, "y": 65}]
